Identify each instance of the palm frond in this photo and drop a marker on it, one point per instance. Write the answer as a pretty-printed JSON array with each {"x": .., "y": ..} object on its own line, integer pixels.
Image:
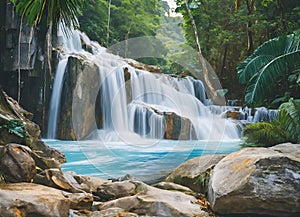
[
  {"x": 289, "y": 117},
  {"x": 264, "y": 134},
  {"x": 270, "y": 61},
  {"x": 262, "y": 83}
]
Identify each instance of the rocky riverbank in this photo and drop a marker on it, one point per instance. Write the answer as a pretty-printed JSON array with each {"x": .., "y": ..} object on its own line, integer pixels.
[{"x": 249, "y": 182}]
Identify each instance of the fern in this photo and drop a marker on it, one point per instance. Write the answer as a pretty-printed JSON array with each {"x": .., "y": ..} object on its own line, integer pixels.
[
  {"x": 289, "y": 117},
  {"x": 264, "y": 134},
  {"x": 286, "y": 128},
  {"x": 15, "y": 127}
]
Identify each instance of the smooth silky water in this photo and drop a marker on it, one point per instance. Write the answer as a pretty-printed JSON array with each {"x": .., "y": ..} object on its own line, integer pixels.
[
  {"x": 130, "y": 141},
  {"x": 148, "y": 162}
]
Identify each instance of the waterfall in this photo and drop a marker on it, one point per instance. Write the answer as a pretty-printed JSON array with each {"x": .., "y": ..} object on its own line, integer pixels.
[
  {"x": 55, "y": 98},
  {"x": 139, "y": 105},
  {"x": 68, "y": 45}
]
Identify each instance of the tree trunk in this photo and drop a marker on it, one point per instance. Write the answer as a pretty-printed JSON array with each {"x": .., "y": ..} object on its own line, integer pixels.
[
  {"x": 19, "y": 60},
  {"x": 108, "y": 22},
  {"x": 212, "y": 92},
  {"x": 224, "y": 58},
  {"x": 250, "y": 7},
  {"x": 48, "y": 68},
  {"x": 282, "y": 15}
]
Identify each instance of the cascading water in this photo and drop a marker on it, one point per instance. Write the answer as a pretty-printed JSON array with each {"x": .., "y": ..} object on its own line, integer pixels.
[
  {"x": 70, "y": 45},
  {"x": 55, "y": 98},
  {"x": 152, "y": 95}
]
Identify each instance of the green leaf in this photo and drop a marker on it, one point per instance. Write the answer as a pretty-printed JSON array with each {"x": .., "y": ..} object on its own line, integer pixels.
[{"x": 274, "y": 59}]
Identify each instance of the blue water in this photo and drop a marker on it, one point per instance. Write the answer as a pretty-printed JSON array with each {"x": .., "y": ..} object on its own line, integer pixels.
[{"x": 147, "y": 162}]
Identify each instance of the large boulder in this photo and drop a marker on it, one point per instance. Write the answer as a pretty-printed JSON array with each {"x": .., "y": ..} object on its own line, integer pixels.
[
  {"x": 178, "y": 127},
  {"x": 152, "y": 201},
  {"x": 257, "y": 181},
  {"x": 79, "y": 94},
  {"x": 16, "y": 127},
  {"x": 195, "y": 172},
  {"x": 16, "y": 164},
  {"x": 27, "y": 199}
]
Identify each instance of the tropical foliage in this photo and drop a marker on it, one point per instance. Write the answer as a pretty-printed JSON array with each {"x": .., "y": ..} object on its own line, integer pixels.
[
  {"x": 15, "y": 127},
  {"x": 127, "y": 19},
  {"x": 286, "y": 128},
  {"x": 55, "y": 11},
  {"x": 269, "y": 66},
  {"x": 227, "y": 32}
]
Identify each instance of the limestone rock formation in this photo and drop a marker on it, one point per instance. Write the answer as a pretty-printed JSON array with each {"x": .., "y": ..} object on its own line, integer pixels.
[
  {"x": 195, "y": 172},
  {"x": 152, "y": 201},
  {"x": 77, "y": 114},
  {"x": 257, "y": 181},
  {"x": 27, "y": 199}
]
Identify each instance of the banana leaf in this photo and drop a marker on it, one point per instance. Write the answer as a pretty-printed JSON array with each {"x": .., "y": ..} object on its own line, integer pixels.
[{"x": 269, "y": 62}]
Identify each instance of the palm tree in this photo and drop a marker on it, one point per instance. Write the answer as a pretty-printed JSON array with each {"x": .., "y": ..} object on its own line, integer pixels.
[
  {"x": 274, "y": 59},
  {"x": 56, "y": 12}
]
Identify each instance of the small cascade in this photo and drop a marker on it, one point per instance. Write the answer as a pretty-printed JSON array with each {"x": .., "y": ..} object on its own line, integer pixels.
[
  {"x": 55, "y": 98},
  {"x": 141, "y": 104},
  {"x": 263, "y": 114},
  {"x": 68, "y": 45}
]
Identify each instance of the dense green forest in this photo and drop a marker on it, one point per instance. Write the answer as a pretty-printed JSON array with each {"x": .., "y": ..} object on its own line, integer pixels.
[{"x": 228, "y": 30}]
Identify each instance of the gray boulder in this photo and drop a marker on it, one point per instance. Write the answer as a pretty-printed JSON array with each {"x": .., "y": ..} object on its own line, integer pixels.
[
  {"x": 257, "y": 181},
  {"x": 195, "y": 172}
]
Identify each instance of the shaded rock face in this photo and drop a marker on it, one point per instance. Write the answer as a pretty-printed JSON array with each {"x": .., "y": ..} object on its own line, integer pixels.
[
  {"x": 259, "y": 180},
  {"x": 31, "y": 151},
  {"x": 35, "y": 76},
  {"x": 16, "y": 164},
  {"x": 178, "y": 127},
  {"x": 25, "y": 199},
  {"x": 195, "y": 173},
  {"x": 80, "y": 88}
]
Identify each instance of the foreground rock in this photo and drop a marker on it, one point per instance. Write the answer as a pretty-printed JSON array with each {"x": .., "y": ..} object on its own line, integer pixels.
[
  {"x": 152, "y": 201},
  {"x": 16, "y": 127},
  {"x": 25, "y": 199},
  {"x": 257, "y": 181},
  {"x": 16, "y": 163},
  {"x": 195, "y": 173}
]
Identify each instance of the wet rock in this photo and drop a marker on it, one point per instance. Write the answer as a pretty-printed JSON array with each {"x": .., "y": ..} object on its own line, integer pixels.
[
  {"x": 81, "y": 86},
  {"x": 142, "y": 66},
  {"x": 16, "y": 164},
  {"x": 178, "y": 128},
  {"x": 260, "y": 180},
  {"x": 195, "y": 172},
  {"x": 27, "y": 199},
  {"x": 233, "y": 115}
]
